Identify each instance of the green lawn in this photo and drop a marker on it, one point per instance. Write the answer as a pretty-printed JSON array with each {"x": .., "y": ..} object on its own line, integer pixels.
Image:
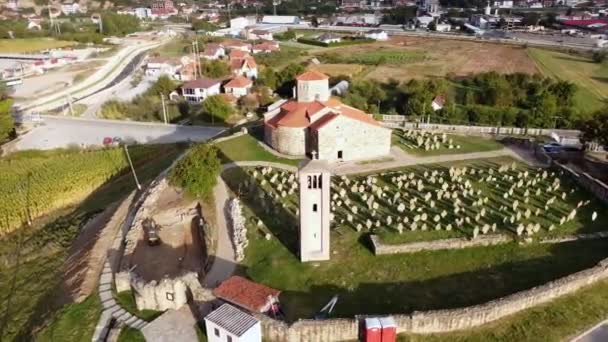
[
  {"x": 590, "y": 77},
  {"x": 557, "y": 321},
  {"x": 246, "y": 148},
  {"x": 127, "y": 302},
  {"x": 128, "y": 334},
  {"x": 29, "y": 45},
  {"x": 369, "y": 284},
  {"x": 75, "y": 322},
  {"x": 468, "y": 144},
  {"x": 32, "y": 258}
]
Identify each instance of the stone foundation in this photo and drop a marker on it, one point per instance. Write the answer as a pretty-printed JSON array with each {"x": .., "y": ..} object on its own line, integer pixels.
[{"x": 380, "y": 248}]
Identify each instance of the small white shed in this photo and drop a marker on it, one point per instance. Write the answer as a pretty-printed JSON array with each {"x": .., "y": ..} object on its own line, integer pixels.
[{"x": 229, "y": 324}]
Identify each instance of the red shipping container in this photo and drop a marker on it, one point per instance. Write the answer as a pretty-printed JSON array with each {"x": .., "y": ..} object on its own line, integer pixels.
[
  {"x": 373, "y": 330},
  {"x": 389, "y": 329}
]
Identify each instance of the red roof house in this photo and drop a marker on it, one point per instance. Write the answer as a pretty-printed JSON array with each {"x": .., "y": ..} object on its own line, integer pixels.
[{"x": 247, "y": 294}]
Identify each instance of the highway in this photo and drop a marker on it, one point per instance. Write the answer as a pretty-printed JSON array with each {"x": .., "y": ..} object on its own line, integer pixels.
[
  {"x": 61, "y": 132},
  {"x": 119, "y": 67}
]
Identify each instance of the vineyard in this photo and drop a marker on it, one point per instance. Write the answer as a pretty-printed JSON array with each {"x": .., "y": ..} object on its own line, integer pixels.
[{"x": 35, "y": 183}]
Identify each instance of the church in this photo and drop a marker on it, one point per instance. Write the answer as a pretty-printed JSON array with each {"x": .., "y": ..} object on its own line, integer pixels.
[{"x": 316, "y": 123}]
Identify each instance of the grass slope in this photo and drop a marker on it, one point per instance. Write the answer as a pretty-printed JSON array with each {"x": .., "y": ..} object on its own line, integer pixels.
[
  {"x": 590, "y": 77},
  {"x": 75, "y": 322},
  {"x": 29, "y": 45},
  {"x": 246, "y": 148}
]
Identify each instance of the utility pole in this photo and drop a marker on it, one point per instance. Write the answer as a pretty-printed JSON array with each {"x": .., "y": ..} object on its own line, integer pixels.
[
  {"x": 132, "y": 168},
  {"x": 100, "y": 25},
  {"x": 162, "y": 100},
  {"x": 68, "y": 98},
  {"x": 197, "y": 59}
]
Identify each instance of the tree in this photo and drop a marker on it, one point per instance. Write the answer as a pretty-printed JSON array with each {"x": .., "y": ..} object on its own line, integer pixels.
[
  {"x": 119, "y": 24},
  {"x": 314, "y": 22},
  {"x": 217, "y": 107},
  {"x": 164, "y": 85},
  {"x": 215, "y": 68},
  {"x": 596, "y": 128},
  {"x": 600, "y": 56},
  {"x": 203, "y": 25},
  {"x": 268, "y": 78},
  {"x": 7, "y": 123},
  {"x": 197, "y": 172},
  {"x": 432, "y": 26}
]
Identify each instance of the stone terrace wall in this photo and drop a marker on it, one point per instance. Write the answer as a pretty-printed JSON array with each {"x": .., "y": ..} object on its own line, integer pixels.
[
  {"x": 598, "y": 188},
  {"x": 435, "y": 245},
  {"x": 436, "y": 321}
]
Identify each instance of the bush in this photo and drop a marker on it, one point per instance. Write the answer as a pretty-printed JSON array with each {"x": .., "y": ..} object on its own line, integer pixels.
[
  {"x": 197, "y": 172},
  {"x": 600, "y": 56}
]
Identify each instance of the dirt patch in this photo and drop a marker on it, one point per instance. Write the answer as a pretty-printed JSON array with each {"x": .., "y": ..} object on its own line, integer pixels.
[
  {"x": 181, "y": 249},
  {"x": 443, "y": 57}
]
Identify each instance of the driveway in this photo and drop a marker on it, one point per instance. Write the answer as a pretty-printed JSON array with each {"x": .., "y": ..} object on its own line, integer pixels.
[{"x": 58, "y": 132}]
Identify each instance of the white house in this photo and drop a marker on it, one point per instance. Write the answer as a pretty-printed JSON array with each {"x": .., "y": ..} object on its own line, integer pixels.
[
  {"x": 199, "y": 89},
  {"x": 376, "y": 35},
  {"x": 161, "y": 66},
  {"x": 142, "y": 12},
  {"x": 257, "y": 34},
  {"x": 70, "y": 8},
  {"x": 229, "y": 324},
  {"x": 238, "y": 86},
  {"x": 441, "y": 27},
  {"x": 329, "y": 38},
  {"x": 246, "y": 66},
  {"x": 236, "y": 45},
  {"x": 424, "y": 21},
  {"x": 213, "y": 51},
  {"x": 240, "y": 23},
  {"x": 438, "y": 102}
]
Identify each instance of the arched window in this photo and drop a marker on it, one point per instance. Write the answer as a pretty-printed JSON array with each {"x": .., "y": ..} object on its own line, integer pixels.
[{"x": 314, "y": 182}]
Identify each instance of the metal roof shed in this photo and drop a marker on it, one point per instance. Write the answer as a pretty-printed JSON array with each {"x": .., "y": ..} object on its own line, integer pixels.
[{"x": 228, "y": 323}]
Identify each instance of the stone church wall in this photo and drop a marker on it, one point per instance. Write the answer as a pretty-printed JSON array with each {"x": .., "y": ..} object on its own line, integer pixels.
[
  {"x": 356, "y": 140},
  {"x": 289, "y": 140}
]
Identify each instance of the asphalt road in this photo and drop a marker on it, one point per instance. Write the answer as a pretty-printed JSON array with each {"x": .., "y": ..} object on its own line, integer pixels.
[
  {"x": 598, "y": 333},
  {"x": 57, "y": 132}
]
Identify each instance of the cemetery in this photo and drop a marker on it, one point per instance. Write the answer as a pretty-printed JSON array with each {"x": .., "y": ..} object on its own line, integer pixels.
[
  {"x": 429, "y": 143},
  {"x": 468, "y": 200}
]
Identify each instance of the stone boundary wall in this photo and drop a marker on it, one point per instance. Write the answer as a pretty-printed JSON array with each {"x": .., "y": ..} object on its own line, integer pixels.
[
  {"x": 436, "y": 321},
  {"x": 576, "y": 237},
  {"x": 380, "y": 248},
  {"x": 398, "y": 121},
  {"x": 232, "y": 136},
  {"x": 595, "y": 186}
]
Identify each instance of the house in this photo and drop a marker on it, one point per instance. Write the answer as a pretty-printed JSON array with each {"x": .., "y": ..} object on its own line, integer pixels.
[
  {"x": 228, "y": 323},
  {"x": 142, "y": 12},
  {"x": 238, "y": 54},
  {"x": 163, "y": 8},
  {"x": 329, "y": 38},
  {"x": 69, "y": 8},
  {"x": 316, "y": 122},
  {"x": 265, "y": 47},
  {"x": 238, "y": 86},
  {"x": 240, "y": 23},
  {"x": 213, "y": 51},
  {"x": 236, "y": 45},
  {"x": 438, "y": 102},
  {"x": 248, "y": 295},
  {"x": 157, "y": 66},
  {"x": 246, "y": 66},
  {"x": 199, "y": 89},
  {"x": 186, "y": 73},
  {"x": 34, "y": 23},
  {"x": 424, "y": 21},
  {"x": 376, "y": 35},
  {"x": 256, "y": 34}
]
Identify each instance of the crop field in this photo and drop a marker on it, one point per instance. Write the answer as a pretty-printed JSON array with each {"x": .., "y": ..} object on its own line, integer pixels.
[
  {"x": 405, "y": 58},
  {"x": 30, "y": 45},
  {"x": 368, "y": 284},
  {"x": 590, "y": 77},
  {"x": 32, "y": 258}
]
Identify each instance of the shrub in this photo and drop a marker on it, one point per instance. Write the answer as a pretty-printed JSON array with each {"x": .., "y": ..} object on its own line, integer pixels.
[{"x": 197, "y": 172}]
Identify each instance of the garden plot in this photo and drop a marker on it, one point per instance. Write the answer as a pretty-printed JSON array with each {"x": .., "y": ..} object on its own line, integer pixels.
[{"x": 422, "y": 142}]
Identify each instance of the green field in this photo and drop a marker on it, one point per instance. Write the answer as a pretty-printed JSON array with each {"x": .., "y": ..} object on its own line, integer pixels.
[
  {"x": 590, "y": 77},
  {"x": 74, "y": 322},
  {"x": 369, "y": 284},
  {"x": 468, "y": 144},
  {"x": 380, "y": 56},
  {"x": 30, "y": 45},
  {"x": 247, "y": 148},
  {"x": 31, "y": 274}
]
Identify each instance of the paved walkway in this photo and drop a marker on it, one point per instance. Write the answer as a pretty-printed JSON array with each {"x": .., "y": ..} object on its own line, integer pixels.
[
  {"x": 173, "y": 325},
  {"x": 401, "y": 159}
]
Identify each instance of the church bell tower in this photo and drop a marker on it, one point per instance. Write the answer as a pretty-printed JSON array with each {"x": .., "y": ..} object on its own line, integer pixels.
[{"x": 315, "y": 183}]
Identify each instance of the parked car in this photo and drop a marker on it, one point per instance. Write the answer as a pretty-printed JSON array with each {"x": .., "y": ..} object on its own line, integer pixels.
[{"x": 107, "y": 141}]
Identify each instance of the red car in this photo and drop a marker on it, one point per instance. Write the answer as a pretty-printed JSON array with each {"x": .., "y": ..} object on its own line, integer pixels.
[{"x": 107, "y": 141}]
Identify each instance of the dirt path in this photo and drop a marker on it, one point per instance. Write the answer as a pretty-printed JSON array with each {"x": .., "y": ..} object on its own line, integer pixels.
[{"x": 224, "y": 262}]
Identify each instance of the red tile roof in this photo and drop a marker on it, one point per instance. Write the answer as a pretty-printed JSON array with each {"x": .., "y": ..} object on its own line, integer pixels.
[
  {"x": 297, "y": 114},
  {"x": 324, "y": 120},
  {"x": 201, "y": 83},
  {"x": 238, "y": 82},
  {"x": 312, "y": 76},
  {"x": 245, "y": 293},
  {"x": 237, "y": 54},
  {"x": 237, "y": 63}
]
